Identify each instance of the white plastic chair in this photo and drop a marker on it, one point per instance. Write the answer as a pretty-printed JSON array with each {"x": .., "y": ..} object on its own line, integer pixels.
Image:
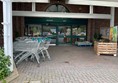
[
  {"x": 45, "y": 48},
  {"x": 29, "y": 48}
]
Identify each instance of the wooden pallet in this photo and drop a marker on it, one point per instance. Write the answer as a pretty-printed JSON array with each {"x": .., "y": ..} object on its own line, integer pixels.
[{"x": 105, "y": 48}]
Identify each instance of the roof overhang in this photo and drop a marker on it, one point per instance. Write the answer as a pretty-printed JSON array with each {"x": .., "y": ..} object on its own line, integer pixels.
[
  {"x": 61, "y": 15},
  {"x": 37, "y": 1},
  {"x": 108, "y": 3}
]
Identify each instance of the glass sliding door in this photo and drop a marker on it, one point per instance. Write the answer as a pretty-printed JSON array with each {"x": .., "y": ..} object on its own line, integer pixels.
[
  {"x": 58, "y": 34},
  {"x": 50, "y": 32},
  {"x": 64, "y": 35}
]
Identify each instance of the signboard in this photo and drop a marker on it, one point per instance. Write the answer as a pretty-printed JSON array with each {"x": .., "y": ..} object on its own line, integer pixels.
[{"x": 105, "y": 32}]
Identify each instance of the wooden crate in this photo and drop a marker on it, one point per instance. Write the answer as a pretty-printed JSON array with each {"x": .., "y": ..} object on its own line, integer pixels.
[{"x": 105, "y": 48}]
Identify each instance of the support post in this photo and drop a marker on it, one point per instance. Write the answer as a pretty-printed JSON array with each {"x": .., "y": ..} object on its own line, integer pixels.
[
  {"x": 7, "y": 26},
  {"x": 112, "y": 17},
  {"x": 5, "y": 31},
  {"x": 33, "y": 6},
  {"x": 91, "y": 9}
]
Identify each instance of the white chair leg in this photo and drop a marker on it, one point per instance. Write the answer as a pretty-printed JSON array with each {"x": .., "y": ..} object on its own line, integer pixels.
[
  {"x": 37, "y": 58},
  {"x": 19, "y": 55},
  {"x": 32, "y": 58},
  {"x": 47, "y": 54},
  {"x": 23, "y": 58},
  {"x": 43, "y": 55}
]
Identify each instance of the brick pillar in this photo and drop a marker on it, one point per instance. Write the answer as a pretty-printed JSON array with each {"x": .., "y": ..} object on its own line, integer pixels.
[
  {"x": 93, "y": 27},
  {"x": 19, "y": 26},
  {"x": 116, "y": 17},
  {"x": 89, "y": 30},
  {"x": 22, "y": 26}
]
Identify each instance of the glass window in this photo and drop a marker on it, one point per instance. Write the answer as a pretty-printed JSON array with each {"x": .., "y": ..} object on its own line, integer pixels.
[
  {"x": 78, "y": 33},
  {"x": 57, "y": 8},
  {"x": 79, "y": 30},
  {"x": 50, "y": 32}
]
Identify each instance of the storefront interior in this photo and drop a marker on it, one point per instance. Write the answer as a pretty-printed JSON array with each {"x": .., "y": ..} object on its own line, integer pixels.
[{"x": 60, "y": 30}]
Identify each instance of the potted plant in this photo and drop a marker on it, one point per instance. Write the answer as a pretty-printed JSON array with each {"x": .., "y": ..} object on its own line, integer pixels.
[
  {"x": 97, "y": 37},
  {"x": 4, "y": 64}
]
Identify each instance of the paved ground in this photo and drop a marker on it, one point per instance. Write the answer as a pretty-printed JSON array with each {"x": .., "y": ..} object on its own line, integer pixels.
[{"x": 71, "y": 64}]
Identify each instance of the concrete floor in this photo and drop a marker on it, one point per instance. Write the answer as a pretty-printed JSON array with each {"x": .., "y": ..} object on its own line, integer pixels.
[{"x": 71, "y": 64}]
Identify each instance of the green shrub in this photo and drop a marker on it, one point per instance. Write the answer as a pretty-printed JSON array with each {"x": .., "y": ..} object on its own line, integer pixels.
[{"x": 4, "y": 64}]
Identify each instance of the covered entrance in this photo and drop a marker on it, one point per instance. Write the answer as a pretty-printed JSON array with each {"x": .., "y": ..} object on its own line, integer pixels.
[{"x": 60, "y": 30}]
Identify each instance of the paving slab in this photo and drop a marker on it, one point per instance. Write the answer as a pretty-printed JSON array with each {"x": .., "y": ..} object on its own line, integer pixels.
[{"x": 70, "y": 64}]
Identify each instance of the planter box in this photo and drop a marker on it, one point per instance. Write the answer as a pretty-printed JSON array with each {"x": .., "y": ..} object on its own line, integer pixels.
[{"x": 105, "y": 48}]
